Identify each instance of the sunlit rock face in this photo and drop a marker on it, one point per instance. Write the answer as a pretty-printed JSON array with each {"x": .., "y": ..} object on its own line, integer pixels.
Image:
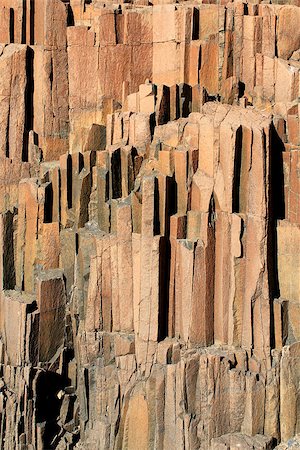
[{"x": 149, "y": 225}]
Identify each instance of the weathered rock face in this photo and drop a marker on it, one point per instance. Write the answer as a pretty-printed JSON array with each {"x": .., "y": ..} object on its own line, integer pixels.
[{"x": 149, "y": 225}]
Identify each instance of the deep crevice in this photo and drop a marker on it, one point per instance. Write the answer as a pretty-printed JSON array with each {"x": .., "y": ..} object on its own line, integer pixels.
[
  {"x": 48, "y": 205},
  {"x": 31, "y": 20},
  {"x": 164, "y": 285},
  {"x": 116, "y": 175},
  {"x": 276, "y": 211},
  {"x": 70, "y": 16},
  {"x": 28, "y": 102},
  {"x": 11, "y": 25},
  {"x": 69, "y": 182},
  {"x": 196, "y": 28},
  {"x": 156, "y": 218},
  {"x": 48, "y": 404},
  {"x": 237, "y": 171},
  {"x": 9, "y": 274}
]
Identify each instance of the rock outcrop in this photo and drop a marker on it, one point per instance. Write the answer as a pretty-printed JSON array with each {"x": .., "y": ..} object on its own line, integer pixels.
[{"x": 149, "y": 225}]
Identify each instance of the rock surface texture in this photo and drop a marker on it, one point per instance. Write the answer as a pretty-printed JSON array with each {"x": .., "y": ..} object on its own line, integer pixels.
[{"x": 149, "y": 225}]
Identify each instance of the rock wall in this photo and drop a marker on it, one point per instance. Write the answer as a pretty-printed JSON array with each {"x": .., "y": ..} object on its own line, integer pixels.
[{"x": 149, "y": 225}]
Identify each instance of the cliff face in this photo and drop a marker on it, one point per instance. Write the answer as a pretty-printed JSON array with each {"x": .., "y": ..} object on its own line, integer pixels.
[{"x": 150, "y": 225}]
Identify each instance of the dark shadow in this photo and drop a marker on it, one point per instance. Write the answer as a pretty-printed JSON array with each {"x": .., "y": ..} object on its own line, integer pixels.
[
  {"x": 156, "y": 218},
  {"x": 276, "y": 207},
  {"x": 11, "y": 25},
  {"x": 185, "y": 99},
  {"x": 107, "y": 186},
  {"x": 212, "y": 212},
  {"x": 76, "y": 244},
  {"x": 241, "y": 89},
  {"x": 48, "y": 404},
  {"x": 277, "y": 202},
  {"x": 80, "y": 163},
  {"x": 165, "y": 257},
  {"x": 70, "y": 16},
  {"x": 28, "y": 102},
  {"x": 163, "y": 114},
  {"x": 21, "y": 424},
  {"x": 34, "y": 333},
  {"x": 86, "y": 384},
  {"x": 9, "y": 274},
  {"x": 31, "y": 31},
  {"x": 237, "y": 171},
  {"x": 69, "y": 182},
  {"x": 7, "y": 137},
  {"x": 164, "y": 285},
  {"x": 51, "y": 75},
  {"x": 24, "y": 22},
  {"x": 210, "y": 262},
  {"x": 48, "y": 205},
  {"x": 195, "y": 30},
  {"x": 86, "y": 189},
  {"x": 131, "y": 172},
  {"x": 35, "y": 138},
  {"x": 171, "y": 202},
  {"x": 152, "y": 124},
  {"x": 116, "y": 175},
  {"x": 199, "y": 63},
  {"x": 285, "y": 322},
  {"x": 213, "y": 98},
  {"x": 276, "y": 211}
]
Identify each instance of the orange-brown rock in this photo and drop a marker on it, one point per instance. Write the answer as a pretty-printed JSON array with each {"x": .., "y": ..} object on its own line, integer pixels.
[{"x": 149, "y": 225}]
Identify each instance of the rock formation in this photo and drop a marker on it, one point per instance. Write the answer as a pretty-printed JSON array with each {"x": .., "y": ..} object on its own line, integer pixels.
[{"x": 149, "y": 225}]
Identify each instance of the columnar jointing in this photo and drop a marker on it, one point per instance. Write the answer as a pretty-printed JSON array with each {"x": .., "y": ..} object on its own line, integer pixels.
[{"x": 149, "y": 225}]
